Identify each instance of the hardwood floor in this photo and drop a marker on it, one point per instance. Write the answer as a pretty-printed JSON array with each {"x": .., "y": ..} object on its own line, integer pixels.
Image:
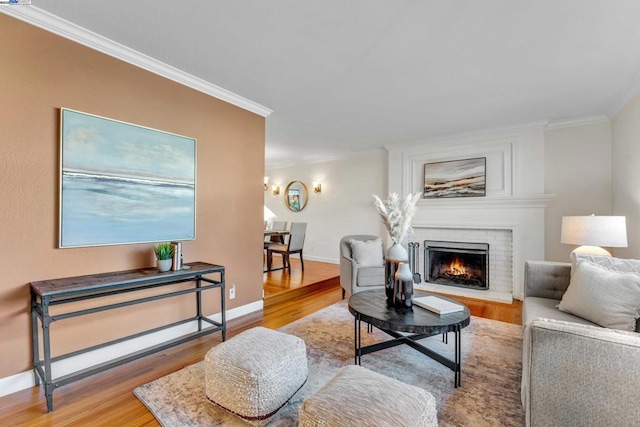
[
  {"x": 281, "y": 286},
  {"x": 106, "y": 399}
]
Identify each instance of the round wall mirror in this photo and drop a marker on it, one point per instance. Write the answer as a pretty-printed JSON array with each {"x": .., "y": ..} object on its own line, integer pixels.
[{"x": 296, "y": 196}]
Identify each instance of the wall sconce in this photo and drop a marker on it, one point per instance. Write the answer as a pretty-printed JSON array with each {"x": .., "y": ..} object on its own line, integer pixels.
[
  {"x": 317, "y": 187},
  {"x": 276, "y": 189},
  {"x": 266, "y": 183}
]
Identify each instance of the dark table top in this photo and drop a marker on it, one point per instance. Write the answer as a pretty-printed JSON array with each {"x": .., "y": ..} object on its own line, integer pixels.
[
  {"x": 373, "y": 308},
  {"x": 92, "y": 282},
  {"x": 275, "y": 232}
]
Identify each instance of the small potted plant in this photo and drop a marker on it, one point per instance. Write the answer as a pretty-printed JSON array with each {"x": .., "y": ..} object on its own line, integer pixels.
[{"x": 164, "y": 255}]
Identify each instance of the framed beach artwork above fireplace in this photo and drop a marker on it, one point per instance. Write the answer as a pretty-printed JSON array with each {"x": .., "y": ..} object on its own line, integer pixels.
[
  {"x": 455, "y": 178},
  {"x": 123, "y": 183}
]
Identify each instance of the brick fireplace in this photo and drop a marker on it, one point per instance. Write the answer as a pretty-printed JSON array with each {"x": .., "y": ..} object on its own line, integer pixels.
[
  {"x": 491, "y": 245},
  {"x": 462, "y": 264}
]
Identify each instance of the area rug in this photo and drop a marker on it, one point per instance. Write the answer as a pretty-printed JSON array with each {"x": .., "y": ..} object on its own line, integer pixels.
[{"x": 489, "y": 395}]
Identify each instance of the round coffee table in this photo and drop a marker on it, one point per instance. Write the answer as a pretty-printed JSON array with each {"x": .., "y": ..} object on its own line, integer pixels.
[{"x": 371, "y": 307}]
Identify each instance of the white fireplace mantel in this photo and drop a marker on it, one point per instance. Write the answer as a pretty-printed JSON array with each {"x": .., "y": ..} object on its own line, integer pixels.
[
  {"x": 509, "y": 202},
  {"x": 514, "y": 201}
]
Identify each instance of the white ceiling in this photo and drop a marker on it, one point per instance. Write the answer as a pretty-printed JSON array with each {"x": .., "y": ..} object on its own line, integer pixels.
[{"x": 347, "y": 76}]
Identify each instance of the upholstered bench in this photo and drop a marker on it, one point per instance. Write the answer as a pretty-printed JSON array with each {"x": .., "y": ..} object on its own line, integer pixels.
[
  {"x": 255, "y": 373},
  {"x": 358, "y": 396}
]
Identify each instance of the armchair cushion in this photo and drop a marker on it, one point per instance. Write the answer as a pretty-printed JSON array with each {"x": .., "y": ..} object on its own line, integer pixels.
[
  {"x": 608, "y": 298},
  {"x": 367, "y": 253},
  {"x": 547, "y": 308},
  {"x": 370, "y": 276}
]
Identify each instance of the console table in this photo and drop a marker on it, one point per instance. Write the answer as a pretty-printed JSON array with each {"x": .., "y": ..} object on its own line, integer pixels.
[{"x": 48, "y": 293}]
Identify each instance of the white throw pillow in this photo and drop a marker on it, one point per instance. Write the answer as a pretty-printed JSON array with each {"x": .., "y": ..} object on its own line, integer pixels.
[
  {"x": 607, "y": 262},
  {"x": 367, "y": 253},
  {"x": 608, "y": 298}
]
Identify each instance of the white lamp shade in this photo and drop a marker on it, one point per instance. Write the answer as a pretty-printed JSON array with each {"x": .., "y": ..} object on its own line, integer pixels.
[{"x": 608, "y": 231}]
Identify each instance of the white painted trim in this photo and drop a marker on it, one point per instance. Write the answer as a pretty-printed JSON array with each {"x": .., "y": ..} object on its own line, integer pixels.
[
  {"x": 512, "y": 202},
  {"x": 24, "y": 380},
  {"x": 467, "y": 226},
  {"x": 488, "y": 295},
  {"x": 54, "y": 24},
  {"x": 577, "y": 121},
  {"x": 517, "y": 261},
  {"x": 16, "y": 382},
  {"x": 322, "y": 259}
]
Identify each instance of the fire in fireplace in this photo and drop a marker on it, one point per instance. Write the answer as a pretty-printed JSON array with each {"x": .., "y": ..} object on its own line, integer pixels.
[{"x": 457, "y": 264}]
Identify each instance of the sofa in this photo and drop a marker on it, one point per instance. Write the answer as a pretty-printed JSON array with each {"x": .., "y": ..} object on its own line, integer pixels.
[{"x": 576, "y": 372}]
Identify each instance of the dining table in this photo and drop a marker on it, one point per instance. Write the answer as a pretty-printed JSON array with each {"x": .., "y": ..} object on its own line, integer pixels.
[
  {"x": 277, "y": 233},
  {"x": 280, "y": 233}
]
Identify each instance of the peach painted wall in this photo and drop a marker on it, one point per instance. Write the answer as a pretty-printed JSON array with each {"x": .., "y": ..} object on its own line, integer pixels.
[{"x": 41, "y": 72}]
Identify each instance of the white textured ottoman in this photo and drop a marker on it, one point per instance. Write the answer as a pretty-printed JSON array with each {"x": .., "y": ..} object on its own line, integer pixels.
[
  {"x": 256, "y": 372},
  {"x": 358, "y": 396}
]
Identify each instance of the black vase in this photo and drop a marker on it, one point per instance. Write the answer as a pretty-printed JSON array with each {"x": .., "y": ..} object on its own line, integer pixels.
[
  {"x": 390, "y": 268},
  {"x": 403, "y": 286}
]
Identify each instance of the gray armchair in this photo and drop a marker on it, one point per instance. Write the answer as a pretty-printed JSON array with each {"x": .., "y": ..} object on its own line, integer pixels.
[{"x": 354, "y": 278}]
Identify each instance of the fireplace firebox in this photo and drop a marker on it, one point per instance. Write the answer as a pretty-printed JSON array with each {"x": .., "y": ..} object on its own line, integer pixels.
[{"x": 457, "y": 264}]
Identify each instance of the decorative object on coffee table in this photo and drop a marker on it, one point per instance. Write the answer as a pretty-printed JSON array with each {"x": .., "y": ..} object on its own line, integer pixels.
[
  {"x": 403, "y": 286},
  {"x": 390, "y": 268},
  {"x": 438, "y": 305},
  {"x": 164, "y": 255},
  {"x": 396, "y": 215}
]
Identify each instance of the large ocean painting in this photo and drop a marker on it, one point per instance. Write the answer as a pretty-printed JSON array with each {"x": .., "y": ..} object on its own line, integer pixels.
[
  {"x": 123, "y": 183},
  {"x": 455, "y": 178}
]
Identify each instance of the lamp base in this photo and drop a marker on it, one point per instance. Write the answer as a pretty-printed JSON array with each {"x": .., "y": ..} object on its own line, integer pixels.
[{"x": 591, "y": 250}]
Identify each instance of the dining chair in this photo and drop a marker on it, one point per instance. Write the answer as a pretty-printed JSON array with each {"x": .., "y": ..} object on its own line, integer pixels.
[
  {"x": 294, "y": 246},
  {"x": 274, "y": 240}
]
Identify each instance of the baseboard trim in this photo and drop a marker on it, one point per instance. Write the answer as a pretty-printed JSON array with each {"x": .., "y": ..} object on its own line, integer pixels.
[
  {"x": 24, "y": 380},
  {"x": 321, "y": 259}
]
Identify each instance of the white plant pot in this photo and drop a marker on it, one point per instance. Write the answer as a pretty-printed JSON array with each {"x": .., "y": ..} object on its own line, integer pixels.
[{"x": 164, "y": 264}]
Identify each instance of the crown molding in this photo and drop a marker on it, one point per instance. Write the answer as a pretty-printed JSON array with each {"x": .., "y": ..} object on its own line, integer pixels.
[
  {"x": 56, "y": 25},
  {"x": 577, "y": 121}
]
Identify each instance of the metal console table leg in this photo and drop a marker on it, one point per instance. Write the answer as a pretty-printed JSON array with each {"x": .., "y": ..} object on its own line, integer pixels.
[
  {"x": 46, "y": 346},
  {"x": 74, "y": 289}
]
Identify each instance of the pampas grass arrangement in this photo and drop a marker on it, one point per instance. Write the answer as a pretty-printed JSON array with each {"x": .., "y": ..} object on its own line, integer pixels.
[{"x": 396, "y": 214}]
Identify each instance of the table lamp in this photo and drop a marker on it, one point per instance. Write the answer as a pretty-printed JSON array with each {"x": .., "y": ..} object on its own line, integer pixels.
[{"x": 591, "y": 232}]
